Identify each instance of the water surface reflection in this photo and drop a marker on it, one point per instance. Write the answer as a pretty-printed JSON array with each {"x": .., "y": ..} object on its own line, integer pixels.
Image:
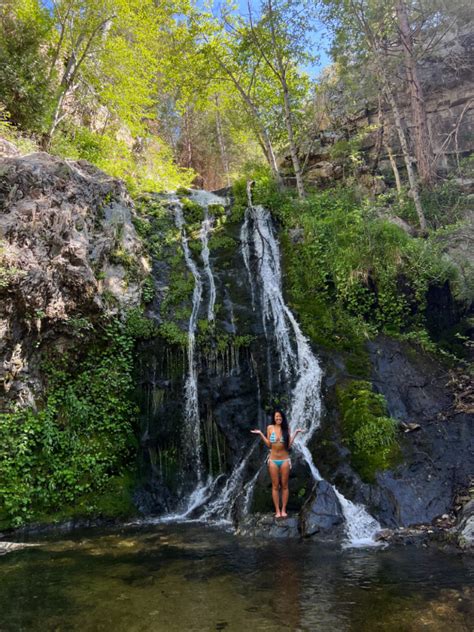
[{"x": 187, "y": 577}]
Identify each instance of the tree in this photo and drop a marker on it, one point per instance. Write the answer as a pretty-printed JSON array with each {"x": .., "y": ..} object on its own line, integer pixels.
[
  {"x": 281, "y": 38},
  {"x": 236, "y": 64},
  {"x": 25, "y": 30},
  {"x": 364, "y": 29},
  {"x": 421, "y": 138}
]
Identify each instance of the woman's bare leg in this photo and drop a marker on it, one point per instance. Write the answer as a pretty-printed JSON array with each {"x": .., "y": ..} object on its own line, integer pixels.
[
  {"x": 274, "y": 475},
  {"x": 285, "y": 474}
]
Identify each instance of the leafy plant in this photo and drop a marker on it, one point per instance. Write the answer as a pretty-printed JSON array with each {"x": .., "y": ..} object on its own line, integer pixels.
[
  {"x": 79, "y": 438},
  {"x": 368, "y": 431}
]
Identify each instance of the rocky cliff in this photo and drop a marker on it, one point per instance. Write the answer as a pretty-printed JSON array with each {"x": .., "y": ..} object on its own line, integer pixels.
[
  {"x": 68, "y": 250},
  {"x": 448, "y": 84}
]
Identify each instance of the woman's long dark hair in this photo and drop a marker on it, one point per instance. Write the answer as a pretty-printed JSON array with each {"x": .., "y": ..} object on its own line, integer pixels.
[{"x": 284, "y": 426}]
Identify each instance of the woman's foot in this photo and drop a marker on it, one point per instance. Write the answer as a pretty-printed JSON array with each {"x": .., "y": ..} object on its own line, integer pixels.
[
  {"x": 283, "y": 514},
  {"x": 278, "y": 514}
]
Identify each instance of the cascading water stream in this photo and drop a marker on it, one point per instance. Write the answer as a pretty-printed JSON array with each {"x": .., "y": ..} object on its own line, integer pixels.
[
  {"x": 298, "y": 366},
  {"x": 191, "y": 407},
  {"x": 300, "y": 363},
  {"x": 206, "y": 228},
  {"x": 192, "y": 427}
]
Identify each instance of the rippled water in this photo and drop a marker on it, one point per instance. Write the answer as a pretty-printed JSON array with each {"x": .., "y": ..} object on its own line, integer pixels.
[{"x": 187, "y": 577}]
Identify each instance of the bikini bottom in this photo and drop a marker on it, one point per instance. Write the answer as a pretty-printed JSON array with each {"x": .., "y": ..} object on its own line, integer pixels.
[{"x": 279, "y": 462}]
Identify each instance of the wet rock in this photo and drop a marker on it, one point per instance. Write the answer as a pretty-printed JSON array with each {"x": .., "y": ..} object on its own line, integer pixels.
[
  {"x": 267, "y": 526},
  {"x": 321, "y": 512},
  {"x": 465, "y": 528},
  {"x": 438, "y": 457},
  {"x": 9, "y": 547},
  {"x": 153, "y": 498}
]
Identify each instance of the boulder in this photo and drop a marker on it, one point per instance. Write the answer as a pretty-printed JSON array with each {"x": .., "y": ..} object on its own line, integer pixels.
[
  {"x": 7, "y": 148},
  {"x": 321, "y": 512},
  {"x": 268, "y": 527},
  {"x": 465, "y": 528}
]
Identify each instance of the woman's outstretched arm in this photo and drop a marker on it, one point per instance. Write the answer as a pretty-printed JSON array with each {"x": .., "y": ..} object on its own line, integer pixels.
[
  {"x": 293, "y": 436},
  {"x": 264, "y": 438}
]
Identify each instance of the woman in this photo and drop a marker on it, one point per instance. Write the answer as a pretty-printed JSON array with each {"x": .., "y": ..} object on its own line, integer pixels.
[{"x": 279, "y": 441}]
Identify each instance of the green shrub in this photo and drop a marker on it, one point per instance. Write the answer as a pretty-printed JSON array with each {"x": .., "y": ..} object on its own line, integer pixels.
[
  {"x": 148, "y": 290},
  {"x": 216, "y": 210},
  {"x": 138, "y": 326},
  {"x": 80, "y": 437},
  {"x": 171, "y": 332},
  {"x": 193, "y": 212},
  {"x": 367, "y": 430}
]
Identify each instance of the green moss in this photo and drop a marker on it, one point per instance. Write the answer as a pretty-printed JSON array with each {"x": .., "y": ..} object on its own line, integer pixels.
[
  {"x": 367, "y": 430},
  {"x": 193, "y": 212},
  {"x": 358, "y": 361},
  {"x": 216, "y": 210},
  {"x": 114, "y": 501},
  {"x": 138, "y": 326},
  {"x": 219, "y": 241},
  {"x": 180, "y": 289},
  {"x": 122, "y": 257},
  {"x": 182, "y": 191}
]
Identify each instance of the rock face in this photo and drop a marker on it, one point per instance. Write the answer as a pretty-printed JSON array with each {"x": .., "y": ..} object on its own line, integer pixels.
[
  {"x": 448, "y": 96},
  {"x": 266, "y": 526},
  {"x": 437, "y": 456},
  {"x": 63, "y": 225}
]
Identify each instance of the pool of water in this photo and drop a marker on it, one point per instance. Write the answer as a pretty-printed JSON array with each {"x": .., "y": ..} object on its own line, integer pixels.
[{"x": 189, "y": 577}]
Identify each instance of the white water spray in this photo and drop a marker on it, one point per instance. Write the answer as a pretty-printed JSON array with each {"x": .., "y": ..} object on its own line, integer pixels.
[{"x": 192, "y": 426}]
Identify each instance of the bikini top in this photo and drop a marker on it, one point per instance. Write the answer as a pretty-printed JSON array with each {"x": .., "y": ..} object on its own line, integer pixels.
[{"x": 273, "y": 438}]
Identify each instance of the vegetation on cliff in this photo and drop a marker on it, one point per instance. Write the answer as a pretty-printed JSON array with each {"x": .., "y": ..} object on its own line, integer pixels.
[{"x": 80, "y": 437}]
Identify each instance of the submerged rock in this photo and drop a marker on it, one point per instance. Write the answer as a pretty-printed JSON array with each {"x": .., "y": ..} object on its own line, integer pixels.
[{"x": 9, "y": 547}]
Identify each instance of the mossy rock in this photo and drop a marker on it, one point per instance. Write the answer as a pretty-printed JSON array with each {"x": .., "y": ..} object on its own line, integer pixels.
[
  {"x": 216, "y": 210},
  {"x": 183, "y": 191},
  {"x": 369, "y": 433},
  {"x": 193, "y": 213}
]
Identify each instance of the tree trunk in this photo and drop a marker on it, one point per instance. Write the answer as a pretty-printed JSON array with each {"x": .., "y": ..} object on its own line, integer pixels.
[
  {"x": 187, "y": 140},
  {"x": 421, "y": 138},
  {"x": 280, "y": 73},
  {"x": 393, "y": 164},
  {"x": 253, "y": 111},
  {"x": 406, "y": 153},
  {"x": 291, "y": 139}
]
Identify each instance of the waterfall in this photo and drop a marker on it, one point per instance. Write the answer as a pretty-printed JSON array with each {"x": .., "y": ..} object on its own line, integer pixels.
[
  {"x": 212, "y": 499},
  {"x": 192, "y": 447},
  {"x": 192, "y": 441},
  {"x": 221, "y": 507},
  {"x": 206, "y": 227},
  {"x": 297, "y": 361}
]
